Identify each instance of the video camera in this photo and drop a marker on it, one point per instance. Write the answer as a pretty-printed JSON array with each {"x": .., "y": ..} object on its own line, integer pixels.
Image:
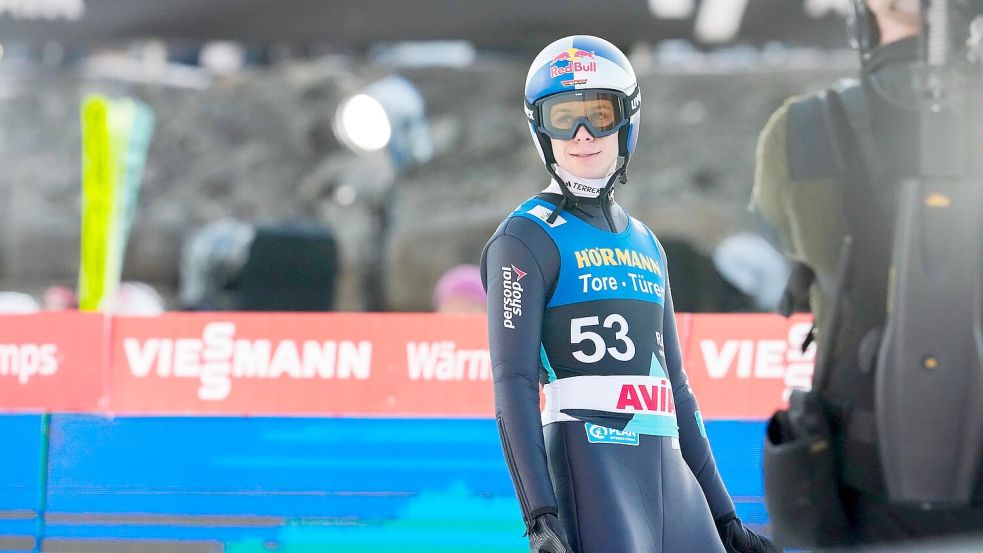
[
  {"x": 921, "y": 432},
  {"x": 929, "y": 374}
]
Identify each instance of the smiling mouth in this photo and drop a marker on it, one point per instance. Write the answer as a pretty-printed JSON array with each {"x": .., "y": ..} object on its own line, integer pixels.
[{"x": 584, "y": 156}]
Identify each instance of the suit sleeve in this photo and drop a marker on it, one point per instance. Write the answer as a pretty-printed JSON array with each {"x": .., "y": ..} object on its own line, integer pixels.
[
  {"x": 514, "y": 333},
  {"x": 692, "y": 433}
]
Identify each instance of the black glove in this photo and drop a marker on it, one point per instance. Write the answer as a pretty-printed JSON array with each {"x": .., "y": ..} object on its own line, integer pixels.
[
  {"x": 547, "y": 536},
  {"x": 737, "y": 538}
]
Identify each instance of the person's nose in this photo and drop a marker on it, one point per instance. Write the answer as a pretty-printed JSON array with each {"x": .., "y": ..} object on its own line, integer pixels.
[{"x": 583, "y": 134}]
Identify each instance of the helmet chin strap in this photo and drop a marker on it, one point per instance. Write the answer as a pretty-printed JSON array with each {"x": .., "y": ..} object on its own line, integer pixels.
[
  {"x": 571, "y": 201},
  {"x": 621, "y": 174}
]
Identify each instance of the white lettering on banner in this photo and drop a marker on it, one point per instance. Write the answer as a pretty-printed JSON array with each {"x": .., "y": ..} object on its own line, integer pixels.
[
  {"x": 50, "y": 10},
  {"x": 443, "y": 361},
  {"x": 764, "y": 359},
  {"x": 26, "y": 360},
  {"x": 218, "y": 358}
]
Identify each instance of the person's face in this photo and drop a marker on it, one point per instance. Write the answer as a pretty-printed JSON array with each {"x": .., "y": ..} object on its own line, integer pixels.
[{"x": 585, "y": 156}]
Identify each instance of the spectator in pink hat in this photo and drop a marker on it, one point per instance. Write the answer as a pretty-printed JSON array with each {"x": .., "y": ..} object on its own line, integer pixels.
[{"x": 459, "y": 290}]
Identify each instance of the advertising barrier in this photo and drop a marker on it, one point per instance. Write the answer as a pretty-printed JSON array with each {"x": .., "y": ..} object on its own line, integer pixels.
[
  {"x": 343, "y": 364},
  {"x": 397, "y": 365},
  {"x": 744, "y": 366},
  {"x": 54, "y": 362}
]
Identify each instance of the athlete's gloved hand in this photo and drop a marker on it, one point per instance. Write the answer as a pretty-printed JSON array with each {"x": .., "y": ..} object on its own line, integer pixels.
[
  {"x": 737, "y": 538},
  {"x": 547, "y": 536}
]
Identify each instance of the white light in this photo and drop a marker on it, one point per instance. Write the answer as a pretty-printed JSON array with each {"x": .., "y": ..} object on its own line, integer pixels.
[
  {"x": 671, "y": 9},
  {"x": 1, "y": 51},
  {"x": 363, "y": 124},
  {"x": 222, "y": 57},
  {"x": 389, "y": 113},
  {"x": 719, "y": 20}
]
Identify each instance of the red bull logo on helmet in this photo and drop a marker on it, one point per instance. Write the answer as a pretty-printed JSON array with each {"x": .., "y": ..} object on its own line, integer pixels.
[{"x": 570, "y": 60}]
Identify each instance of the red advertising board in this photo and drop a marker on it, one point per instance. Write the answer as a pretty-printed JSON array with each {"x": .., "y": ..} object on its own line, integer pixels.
[
  {"x": 53, "y": 362},
  {"x": 740, "y": 366},
  {"x": 302, "y": 364},
  {"x": 743, "y": 366}
]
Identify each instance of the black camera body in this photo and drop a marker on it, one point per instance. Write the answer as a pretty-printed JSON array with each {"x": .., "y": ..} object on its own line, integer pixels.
[{"x": 932, "y": 449}]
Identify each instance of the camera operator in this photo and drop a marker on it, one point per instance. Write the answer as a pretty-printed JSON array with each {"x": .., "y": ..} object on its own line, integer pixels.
[{"x": 828, "y": 177}]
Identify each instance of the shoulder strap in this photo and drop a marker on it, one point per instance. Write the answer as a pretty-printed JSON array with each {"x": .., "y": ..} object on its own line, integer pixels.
[
  {"x": 830, "y": 134},
  {"x": 846, "y": 118},
  {"x": 849, "y": 97},
  {"x": 868, "y": 214},
  {"x": 811, "y": 142}
]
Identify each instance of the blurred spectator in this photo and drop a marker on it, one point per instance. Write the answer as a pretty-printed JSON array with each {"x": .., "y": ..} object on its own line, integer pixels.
[
  {"x": 17, "y": 303},
  {"x": 60, "y": 298},
  {"x": 754, "y": 267},
  {"x": 211, "y": 258},
  {"x": 697, "y": 284},
  {"x": 459, "y": 290},
  {"x": 132, "y": 298},
  {"x": 135, "y": 299}
]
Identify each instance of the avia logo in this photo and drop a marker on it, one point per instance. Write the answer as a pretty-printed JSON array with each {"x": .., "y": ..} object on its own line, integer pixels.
[
  {"x": 219, "y": 357},
  {"x": 24, "y": 361},
  {"x": 519, "y": 273},
  {"x": 762, "y": 359},
  {"x": 443, "y": 361},
  {"x": 656, "y": 398},
  {"x": 570, "y": 60},
  {"x": 48, "y": 10},
  {"x": 603, "y": 435}
]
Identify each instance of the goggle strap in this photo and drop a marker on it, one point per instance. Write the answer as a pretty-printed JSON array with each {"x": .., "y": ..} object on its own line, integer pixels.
[{"x": 633, "y": 103}]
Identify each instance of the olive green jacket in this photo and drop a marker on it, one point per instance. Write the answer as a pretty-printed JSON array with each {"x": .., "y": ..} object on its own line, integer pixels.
[{"x": 806, "y": 214}]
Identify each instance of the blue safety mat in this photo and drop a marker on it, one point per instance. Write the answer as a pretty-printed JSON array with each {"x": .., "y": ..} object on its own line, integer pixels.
[{"x": 256, "y": 484}]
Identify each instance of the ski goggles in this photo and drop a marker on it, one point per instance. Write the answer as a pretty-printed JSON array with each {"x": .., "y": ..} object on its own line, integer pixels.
[{"x": 603, "y": 112}]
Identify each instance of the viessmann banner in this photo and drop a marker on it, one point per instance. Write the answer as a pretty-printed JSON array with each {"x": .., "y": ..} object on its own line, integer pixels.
[
  {"x": 337, "y": 364},
  {"x": 353, "y": 364}
]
